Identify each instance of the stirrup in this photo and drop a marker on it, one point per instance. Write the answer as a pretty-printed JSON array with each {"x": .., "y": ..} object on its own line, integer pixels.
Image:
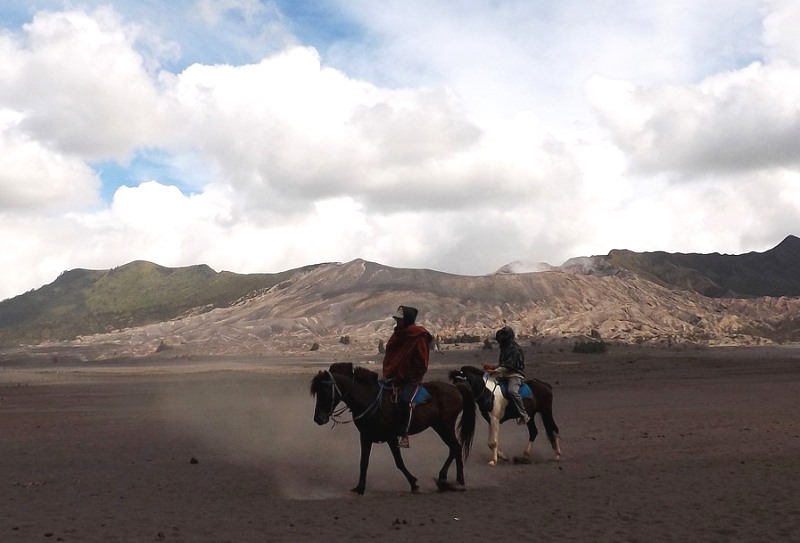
[{"x": 403, "y": 443}]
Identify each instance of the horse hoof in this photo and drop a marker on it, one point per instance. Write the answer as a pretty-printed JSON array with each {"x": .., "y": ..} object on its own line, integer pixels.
[
  {"x": 444, "y": 486},
  {"x": 492, "y": 462},
  {"x": 358, "y": 490}
]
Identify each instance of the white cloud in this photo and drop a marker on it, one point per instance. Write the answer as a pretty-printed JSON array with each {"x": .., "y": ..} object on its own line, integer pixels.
[
  {"x": 34, "y": 178},
  {"x": 737, "y": 121},
  {"x": 455, "y": 136},
  {"x": 83, "y": 88},
  {"x": 288, "y": 131},
  {"x": 781, "y": 22}
]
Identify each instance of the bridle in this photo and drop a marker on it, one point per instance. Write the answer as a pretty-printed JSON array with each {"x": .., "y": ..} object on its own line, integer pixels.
[
  {"x": 334, "y": 413},
  {"x": 484, "y": 390}
]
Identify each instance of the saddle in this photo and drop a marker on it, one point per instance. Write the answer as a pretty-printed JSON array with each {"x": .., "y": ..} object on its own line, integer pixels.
[
  {"x": 408, "y": 394},
  {"x": 524, "y": 391}
]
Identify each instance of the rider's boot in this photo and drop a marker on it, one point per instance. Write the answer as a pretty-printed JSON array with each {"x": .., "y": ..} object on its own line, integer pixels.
[{"x": 403, "y": 443}]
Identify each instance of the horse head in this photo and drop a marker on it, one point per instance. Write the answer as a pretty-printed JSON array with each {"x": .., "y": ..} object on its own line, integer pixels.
[
  {"x": 472, "y": 375},
  {"x": 328, "y": 395},
  {"x": 456, "y": 375},
  {"x": 342, "y": 382}
]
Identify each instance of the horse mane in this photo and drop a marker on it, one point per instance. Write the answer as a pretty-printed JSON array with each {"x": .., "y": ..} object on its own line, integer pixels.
[
  {"x": 316, "y": 383},
  {"x": 342, "y": 368},
  {"x": 473, "y": 370},
  {"x": 363, "y": 375}
]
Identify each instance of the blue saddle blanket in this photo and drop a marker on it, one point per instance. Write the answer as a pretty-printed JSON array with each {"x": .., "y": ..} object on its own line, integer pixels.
[
  {"x": 524, "y": 390},
  {"x": 407, "y": 394}
]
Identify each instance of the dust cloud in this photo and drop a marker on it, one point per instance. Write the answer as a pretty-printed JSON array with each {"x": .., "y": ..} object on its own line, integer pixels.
[{"x": 265, "y": 422}]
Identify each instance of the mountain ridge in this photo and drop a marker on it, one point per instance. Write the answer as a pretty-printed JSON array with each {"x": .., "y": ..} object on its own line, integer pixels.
[
  {"x": 775, "y": 272},
  {"x": 624, "y": 296},
  {"x": 82, "y": 301}
]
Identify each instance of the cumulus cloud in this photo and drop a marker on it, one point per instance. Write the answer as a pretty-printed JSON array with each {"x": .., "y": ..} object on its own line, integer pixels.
[
  {"x": 288, "y": 130},
  {"x": 743, "y": 120},
  {"x": 83, "y": 89},
  {"x": 780, "y": 31},
  {"x": 33, "y": 177},
  {"x": 447, "y": 136}
]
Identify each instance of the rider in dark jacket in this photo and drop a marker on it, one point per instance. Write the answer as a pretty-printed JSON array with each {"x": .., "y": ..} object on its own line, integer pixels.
[{"x": 511, "y": 367}]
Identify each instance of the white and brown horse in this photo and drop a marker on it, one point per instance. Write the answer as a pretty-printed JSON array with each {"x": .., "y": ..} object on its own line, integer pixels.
[{"x": 496, "y": 409}]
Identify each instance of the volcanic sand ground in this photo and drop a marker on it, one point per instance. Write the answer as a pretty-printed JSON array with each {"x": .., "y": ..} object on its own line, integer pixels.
[{"x": 682, "y": 445}]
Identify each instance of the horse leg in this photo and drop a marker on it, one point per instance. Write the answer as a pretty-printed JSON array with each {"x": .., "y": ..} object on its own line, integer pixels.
[
  {"x": 551, "y": 428},
  {"x": 494, "y": 431},
  {"x": 533, "y": 431},
  {"x": 447, "y": 434},
  {"x": 555, "y": 441},
  {"x": 543, "y": 398},
  {"x": 398, "y": 461},
  {"x": 498, "y": 411},
  {"x": 366, "y": 449}
]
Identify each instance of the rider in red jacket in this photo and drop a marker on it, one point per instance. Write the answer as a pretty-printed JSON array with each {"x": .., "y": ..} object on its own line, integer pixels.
[{"x": 407, "y": 355}]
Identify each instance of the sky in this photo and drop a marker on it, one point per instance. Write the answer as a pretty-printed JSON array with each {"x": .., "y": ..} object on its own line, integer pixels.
[{"x": 459, "y": 136}]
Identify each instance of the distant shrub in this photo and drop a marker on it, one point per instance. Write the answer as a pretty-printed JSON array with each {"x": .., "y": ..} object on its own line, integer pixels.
[
  {"x": 487, "y": 345},
  {"x": 344, "y": 340},
  {"x": 589, "y": 347},
  {"x": 314, "y": 347},
  {"x": 381, "y": 347}
]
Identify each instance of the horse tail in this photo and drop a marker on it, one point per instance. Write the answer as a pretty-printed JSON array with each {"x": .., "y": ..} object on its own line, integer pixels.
[
  {"x": 466, "y": 426},
  {"x": 544, "y": 400}
]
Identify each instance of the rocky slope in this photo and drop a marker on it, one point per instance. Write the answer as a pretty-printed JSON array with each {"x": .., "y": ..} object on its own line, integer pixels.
[
  {"x": 323, "y": 305},
  {"x": 652, "y": 298}
]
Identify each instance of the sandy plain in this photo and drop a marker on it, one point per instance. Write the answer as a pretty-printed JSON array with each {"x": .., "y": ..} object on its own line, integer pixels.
[{"x": 659, "y": 445}]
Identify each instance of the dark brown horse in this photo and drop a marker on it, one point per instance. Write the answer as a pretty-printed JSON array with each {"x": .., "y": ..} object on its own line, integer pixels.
[
  {"x": 496, "y": 409},
  {"x": 378, "y": 418}
]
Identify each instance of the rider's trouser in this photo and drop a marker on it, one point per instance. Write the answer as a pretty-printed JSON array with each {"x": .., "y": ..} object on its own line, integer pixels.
[
  {"x": 514, "y": 382},
  {"x": 410, "y": 409}
]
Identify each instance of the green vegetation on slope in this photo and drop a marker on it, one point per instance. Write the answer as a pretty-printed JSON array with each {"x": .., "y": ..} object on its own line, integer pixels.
[{"x": 83, "y": 302}]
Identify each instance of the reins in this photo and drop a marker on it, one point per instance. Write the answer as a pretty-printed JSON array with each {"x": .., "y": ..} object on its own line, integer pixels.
[
  {"x": 374, "y": 405},
  {"x": 334, "y": 390},
  {"x": 484, "y": 389},
  {"x": 338, "y": 412}
]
